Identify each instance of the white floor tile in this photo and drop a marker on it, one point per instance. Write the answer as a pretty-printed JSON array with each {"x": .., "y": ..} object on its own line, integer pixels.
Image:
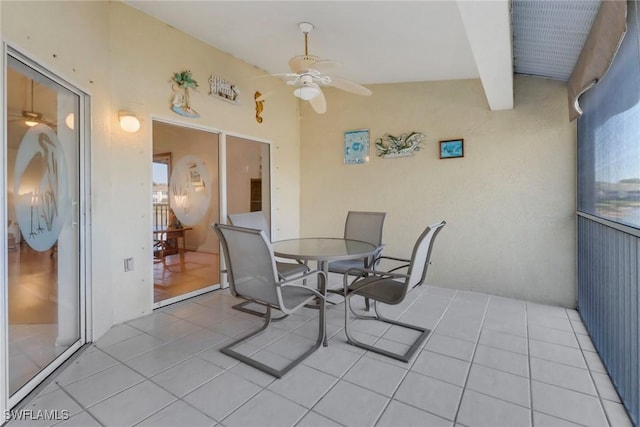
[
  {"x": 567, "y": 404},
  {"x": 557, "y": 353},
  {"x": 184, "y": 310},
  {"x": 86, "y": 364},
  {"x": 450, "y": 346},
  {"x": 187, "y": 376},
  {"x": 579, "y": 328},
  {"x": 594, "y": 363},
  {"x": 200, "y": 341},
  {"x": 81, "y": 419},
  {"x": 184, "y": 356},
  {"x": 351, "y": 405},
  {"x": 178, "y": 414},
  {"x": 561, "y": 375},
  {"x": 159, "y": 359},
  {"x": 605, "y": 387},
  {"x": 544, "y": 420},
  {"x": 303, "y": 385},
  {"x": 266, "y": 409},
  {"x": 502, "y": 360},
  {"x": 332, "y": 360},
  {"x": 429, "y": 394},
  {"x": 102, "y": 385},
  {"x": 375, "y": 375},
  {"x": 215, "y": 356},
  {"x": 617, "y": 414},
  {"x": 128, "y": 349},
  {"x": 503, "y": 341},
  {"x": 554, "y": 336},
  {"x": 445, "y": 368},
  {"x": 479, "y": 410},
  {"x": 174, "y": 330},
  {"x": 400, "y": 414},
  {"x": 221, "y": 396},
  {"x": 116, "y": 334},
  {"x": 257, "y": 376},
  {"x": 156, "y": 320},
  {"x": 313, "y": 419},
  {"x": 585, "y": 343},
  {"x": 132, "y": 405},
  {"x": 57, "y": 400},
  {"x": 514, "y": 325},
  {"x": 499, "y": 384}
]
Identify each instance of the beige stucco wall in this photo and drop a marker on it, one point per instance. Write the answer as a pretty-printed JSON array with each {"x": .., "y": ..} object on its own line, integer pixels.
[
  {"x": 509, "y": 203},
  {"x": 124, "y": 60}
]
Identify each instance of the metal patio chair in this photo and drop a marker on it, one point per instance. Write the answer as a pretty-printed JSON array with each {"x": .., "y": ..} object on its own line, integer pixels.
[
  {"x": 252, "y": 274},
  {"x": 258, "y": 221},
  {"x": 364, "y": 226},
  {"x": 391, "y": 287}
]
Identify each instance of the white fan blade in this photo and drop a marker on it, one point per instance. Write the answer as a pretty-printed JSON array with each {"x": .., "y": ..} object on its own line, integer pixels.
[
  {"x": 301, "y": 63},
  {"x": 319, "y": 103},
  {"x": 324, "y": 65},
  {"x": 349, "y": 86}
]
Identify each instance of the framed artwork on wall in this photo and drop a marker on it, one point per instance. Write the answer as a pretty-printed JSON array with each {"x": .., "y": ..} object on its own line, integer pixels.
[
  {"x": 356, "y": 146},
  {"x": 452, "y": 149}
]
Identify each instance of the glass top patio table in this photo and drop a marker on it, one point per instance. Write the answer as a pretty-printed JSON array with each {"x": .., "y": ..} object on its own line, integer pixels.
[{"x": 322, "y": 249}]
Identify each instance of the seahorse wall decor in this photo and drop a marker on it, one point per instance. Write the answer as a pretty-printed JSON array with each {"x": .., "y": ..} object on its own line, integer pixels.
[{"x": 259, "y": 106}]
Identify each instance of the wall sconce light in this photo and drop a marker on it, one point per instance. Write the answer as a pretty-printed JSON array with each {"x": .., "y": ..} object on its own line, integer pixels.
[
  {"x": 128, "y": 121},
  {"x": 70, "y": 121}
]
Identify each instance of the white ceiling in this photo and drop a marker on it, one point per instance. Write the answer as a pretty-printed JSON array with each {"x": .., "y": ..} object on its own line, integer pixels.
[{"x": 396, "y": 41}]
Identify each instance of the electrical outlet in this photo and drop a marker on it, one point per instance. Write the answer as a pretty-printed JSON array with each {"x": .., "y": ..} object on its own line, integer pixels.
[{"x": 128, "y": 264}]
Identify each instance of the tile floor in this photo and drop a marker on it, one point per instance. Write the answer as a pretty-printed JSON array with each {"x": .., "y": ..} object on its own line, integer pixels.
[{"x": 489, "y": 361}]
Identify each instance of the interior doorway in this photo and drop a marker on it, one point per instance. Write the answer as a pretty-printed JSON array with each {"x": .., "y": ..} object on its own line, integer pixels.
[{"x": 185, "y": 202}]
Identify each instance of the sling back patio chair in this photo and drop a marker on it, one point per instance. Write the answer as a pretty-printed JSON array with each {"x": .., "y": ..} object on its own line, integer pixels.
[
  {"x": 258, "y": 221},
  {"x": 367, "y": 227},
  {"x": 252, "y": 274},
  {"x": 391, "y": 287}
]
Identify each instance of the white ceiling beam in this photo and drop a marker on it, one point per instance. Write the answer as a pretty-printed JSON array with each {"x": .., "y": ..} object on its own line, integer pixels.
[{"x": 488, "y": 27}]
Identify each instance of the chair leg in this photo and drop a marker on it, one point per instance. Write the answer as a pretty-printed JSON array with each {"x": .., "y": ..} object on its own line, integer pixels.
[
  {"x": 406, "y": 357},
  {"x": 243, "y": 307},
  {"x": 266, "y": 368}
]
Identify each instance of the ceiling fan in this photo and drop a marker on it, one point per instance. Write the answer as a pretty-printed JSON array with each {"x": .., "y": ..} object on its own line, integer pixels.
[
  {"x": 31, "y": 117},
  {"x": 307, "y": 76}
]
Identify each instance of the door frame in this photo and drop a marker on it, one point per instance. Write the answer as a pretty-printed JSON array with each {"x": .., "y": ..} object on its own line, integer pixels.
[
  {"x": 222, "y": 194},
  {"x": 84, "y": 230}
]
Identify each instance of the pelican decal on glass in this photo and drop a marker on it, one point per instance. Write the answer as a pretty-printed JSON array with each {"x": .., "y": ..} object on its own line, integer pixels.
[{"x": 41, "y": 186}]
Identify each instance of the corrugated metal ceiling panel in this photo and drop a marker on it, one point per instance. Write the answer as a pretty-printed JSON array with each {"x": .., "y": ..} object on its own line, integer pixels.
[{"x": 548, "y": 35}]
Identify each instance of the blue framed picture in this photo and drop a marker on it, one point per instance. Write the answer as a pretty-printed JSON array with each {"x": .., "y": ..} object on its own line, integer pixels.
[
  {"x": 356, "y": 146},
  {"x": 452, "y": 149}
]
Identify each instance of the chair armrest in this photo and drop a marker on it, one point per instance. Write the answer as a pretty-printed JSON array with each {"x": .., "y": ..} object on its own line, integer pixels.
[
  {"x": 377, "y": 260},
  {"x": 392, "y": 258},
  {"x": 307, "y": 288},
  {"x": 381, "y": 274},
  {"x": 303, "y": 276}
]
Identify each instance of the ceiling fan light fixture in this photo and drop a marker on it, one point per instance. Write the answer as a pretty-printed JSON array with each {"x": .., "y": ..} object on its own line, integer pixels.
[
  {"x": 31, "y": 119},
  {"x": 307, "y": 92}
]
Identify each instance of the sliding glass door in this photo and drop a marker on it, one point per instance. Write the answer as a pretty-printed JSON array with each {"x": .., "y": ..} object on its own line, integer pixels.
[
  {"x": 43, "y": 285},
  {"x": 186, "y": 254}
]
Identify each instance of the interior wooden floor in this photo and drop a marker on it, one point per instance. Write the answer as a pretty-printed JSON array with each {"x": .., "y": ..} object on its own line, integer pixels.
[{"x": 184, "y": 272}]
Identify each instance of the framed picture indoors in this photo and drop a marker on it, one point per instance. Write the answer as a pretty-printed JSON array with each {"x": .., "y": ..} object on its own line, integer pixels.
[
  {"x": 452, "y": 149},
  {"x": 356, "y": 146}
]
